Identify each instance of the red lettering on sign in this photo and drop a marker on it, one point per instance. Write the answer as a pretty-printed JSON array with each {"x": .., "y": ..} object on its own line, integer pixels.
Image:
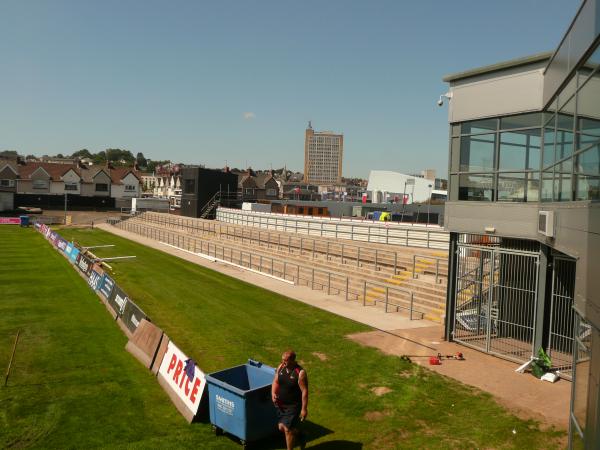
[
  {"x": 187, "y": 386},
  {"x": 195, "y": 390},
  {"x": 177, "y": 371},
  {"x": 172, "y": 363},
  {"x": 183, "y": 377}
]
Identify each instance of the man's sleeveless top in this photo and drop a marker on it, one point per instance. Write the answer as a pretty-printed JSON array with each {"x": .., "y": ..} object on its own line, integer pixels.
[{"x": 289, "y": 391}]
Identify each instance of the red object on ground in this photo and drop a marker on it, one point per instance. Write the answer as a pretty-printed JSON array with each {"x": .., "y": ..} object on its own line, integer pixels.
[{"x": 434, "y": 361}]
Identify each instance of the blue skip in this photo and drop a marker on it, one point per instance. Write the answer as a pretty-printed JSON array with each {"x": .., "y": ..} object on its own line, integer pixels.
[{"x": 240, "y": 401}]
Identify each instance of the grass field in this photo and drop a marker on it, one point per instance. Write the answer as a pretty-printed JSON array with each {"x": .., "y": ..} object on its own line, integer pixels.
[{"x": 74, "y": 385}]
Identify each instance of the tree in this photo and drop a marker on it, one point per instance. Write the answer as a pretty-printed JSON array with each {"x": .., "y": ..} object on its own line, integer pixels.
[
  {"x": 9, "y": 153},
  {"x": 140, "y": 160},
  {"x": 60, "y": 155},
  {"x": 83, "y": 153},
  {"x": 117, "y": 157}
]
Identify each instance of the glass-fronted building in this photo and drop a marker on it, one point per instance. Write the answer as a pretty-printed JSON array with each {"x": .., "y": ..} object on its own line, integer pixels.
[{"x": 524, "y": 213}]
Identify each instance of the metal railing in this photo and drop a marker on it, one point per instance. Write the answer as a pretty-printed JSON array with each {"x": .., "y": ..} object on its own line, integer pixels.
[
  {"x": 382, "y": 233},
  {"x": 437, "y": 265},
  {"x": 369, "y": 292},
  {"x": 379, "y": 259}
]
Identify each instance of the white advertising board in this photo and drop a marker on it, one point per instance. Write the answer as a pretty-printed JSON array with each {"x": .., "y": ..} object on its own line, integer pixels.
[{"x": 172, "y": 370}]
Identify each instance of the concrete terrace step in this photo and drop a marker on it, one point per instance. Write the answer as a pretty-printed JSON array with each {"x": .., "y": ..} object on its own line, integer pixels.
[{"x": 427, "y": 296}]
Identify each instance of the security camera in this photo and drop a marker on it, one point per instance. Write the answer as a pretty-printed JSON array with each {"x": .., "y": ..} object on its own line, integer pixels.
[{"x": 447, "y": 95}]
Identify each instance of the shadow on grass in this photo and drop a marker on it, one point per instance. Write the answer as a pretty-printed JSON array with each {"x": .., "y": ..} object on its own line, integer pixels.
[{"x": 311, "y": 430}]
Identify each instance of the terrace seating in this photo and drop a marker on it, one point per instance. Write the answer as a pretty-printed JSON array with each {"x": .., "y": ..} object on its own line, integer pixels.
[{"x": 369, "y": 273}]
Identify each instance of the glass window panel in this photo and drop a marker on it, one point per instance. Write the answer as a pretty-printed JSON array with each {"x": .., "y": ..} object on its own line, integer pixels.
[
  {"x": 549, "y": 118},
  {"x": 562, "y": 187},
  {"x": 588, "y": 188},
  {"x": 476, "y": 187},
  {"x": 549, "y": 139},
  {"x": 588, "y": 162},
  {"x": 564, "y": 144},
  {"x": 521, "y": 121},
  {"x": 511, "y": 187},
  {"x": 520, "y": 150},
  {"x": 547, "y": 186},
  {"x": 589, "y": 131},
  {"x": 479, "y": 126},
  {"x": 564, "y": 121},
  {"x": 477, "y": 153}
]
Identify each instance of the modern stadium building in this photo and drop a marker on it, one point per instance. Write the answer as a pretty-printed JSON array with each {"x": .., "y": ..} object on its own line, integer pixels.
[{"x": 523, "y": 211}]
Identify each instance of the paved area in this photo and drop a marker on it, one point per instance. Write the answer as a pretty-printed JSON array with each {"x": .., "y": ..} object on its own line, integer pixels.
[{"x": 523, "y": 394}]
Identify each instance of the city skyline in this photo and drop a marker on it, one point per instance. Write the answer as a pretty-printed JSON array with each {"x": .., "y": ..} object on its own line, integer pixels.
[{"x": 208, "y": 83}]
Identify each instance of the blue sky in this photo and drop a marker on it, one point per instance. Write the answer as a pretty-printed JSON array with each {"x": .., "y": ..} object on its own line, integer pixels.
[{"x": 237, "y": 81}]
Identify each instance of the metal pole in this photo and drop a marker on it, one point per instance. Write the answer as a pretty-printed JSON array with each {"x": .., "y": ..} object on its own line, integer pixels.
[
  {"x": 386, "y": 298},
  {"x": 412, "y": 298},
  {"x": 347, "y": 283},
  {"x": 375, "y": 259},
  {"x": 313, "y": 278},
  {"x": 298, "y": 274},
  {"x": 365, "y": 292},
  {"x": 414, "y": 264},
  {"x": 12, "y": 356},
  {"x": 328, "y": 283},
  {"x": 358, "y": 257},
  {"x": 395, "y": 263}
]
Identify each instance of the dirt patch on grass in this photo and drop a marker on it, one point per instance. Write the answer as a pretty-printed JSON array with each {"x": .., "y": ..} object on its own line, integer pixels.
[
  {"x": 321, "y": 356},
  {"x": 376, "y": 416},
  {"x": 380, "y": 390}
]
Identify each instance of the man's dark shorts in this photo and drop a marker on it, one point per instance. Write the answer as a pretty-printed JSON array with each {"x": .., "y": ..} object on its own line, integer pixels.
[{"x": 289, "y": 416}]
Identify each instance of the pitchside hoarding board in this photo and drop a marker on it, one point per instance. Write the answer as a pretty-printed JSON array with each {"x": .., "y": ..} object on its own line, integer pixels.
[
  {"x": 84, "y": 265},
  {"x": 61, "y": 244},
  {"x": 75, "y": 255},
  {"x": 185, "y": 392},
  {"x": 106, "y": 286},
  {"x": 94, "y": 280},
  {"x": 118, "y": 300},
  {"x": 69, "y": 249},
  {"x": 132, "y": 316},
  {"x": 10, "y": 221}
]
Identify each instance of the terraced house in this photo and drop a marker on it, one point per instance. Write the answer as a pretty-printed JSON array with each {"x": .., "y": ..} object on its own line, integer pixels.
[{"x": 58, "y": 179}]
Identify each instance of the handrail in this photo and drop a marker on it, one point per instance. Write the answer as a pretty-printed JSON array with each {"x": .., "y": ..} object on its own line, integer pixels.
[
  {"x": 437, "y": 264},
  {"x": 179, "y": 241},
  {"x": 377, "y": 257},
  {"x": 387, "y": 233}
]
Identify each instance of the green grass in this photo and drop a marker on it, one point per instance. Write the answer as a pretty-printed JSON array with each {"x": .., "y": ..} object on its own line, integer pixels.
[{"x": 75, "y": 386}]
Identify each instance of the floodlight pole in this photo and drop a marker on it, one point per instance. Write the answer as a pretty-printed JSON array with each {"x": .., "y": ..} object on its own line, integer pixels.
[{"x": 65, "y": 208}]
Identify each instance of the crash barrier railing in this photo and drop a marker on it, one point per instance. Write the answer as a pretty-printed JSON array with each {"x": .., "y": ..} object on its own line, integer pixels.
[
  {"x": 369, "y": 292},
  {"x": 418, "y": 258},
  {"x": 360, "y": 255},
  {"x": 126, "y": 311},
  {"x": 382, "y": 233}
]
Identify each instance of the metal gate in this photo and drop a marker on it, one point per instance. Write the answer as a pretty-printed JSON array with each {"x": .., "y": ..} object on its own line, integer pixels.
[
  {"x": 496, "y": 293},
  {"x": 562, "y": 315}
]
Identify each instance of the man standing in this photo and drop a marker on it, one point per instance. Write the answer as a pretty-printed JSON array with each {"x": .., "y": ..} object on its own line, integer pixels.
[{"x": 290, "y": 395}]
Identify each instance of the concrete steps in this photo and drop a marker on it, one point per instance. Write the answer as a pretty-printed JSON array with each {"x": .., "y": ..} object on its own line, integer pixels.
[{"x": 428, "y": 297}]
